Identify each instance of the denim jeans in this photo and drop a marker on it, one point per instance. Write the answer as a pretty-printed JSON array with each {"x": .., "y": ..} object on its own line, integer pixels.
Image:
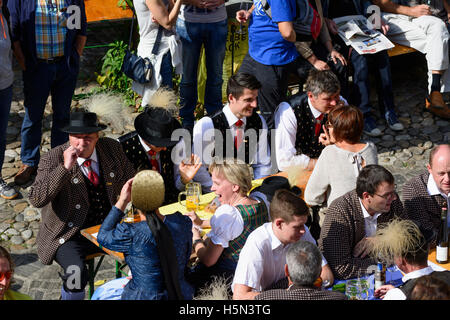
[
  {"x": 38, "y": 84},
  {"x": 362, "y": 64},
  {"x": 213, "y": 37},
  {"x": 5, "y": 107}
]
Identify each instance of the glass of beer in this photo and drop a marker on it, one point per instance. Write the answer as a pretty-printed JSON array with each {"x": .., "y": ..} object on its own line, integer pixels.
[{"x": 192, "y": 192}]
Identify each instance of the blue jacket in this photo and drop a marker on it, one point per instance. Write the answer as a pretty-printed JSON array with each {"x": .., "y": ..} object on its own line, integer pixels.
[
  {"x": 22, "y": 20},
  {"x": 360, "y": 5}
]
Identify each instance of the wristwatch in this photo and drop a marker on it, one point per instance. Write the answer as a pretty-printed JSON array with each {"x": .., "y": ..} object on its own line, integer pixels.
[{"x": 195, "y": 242}]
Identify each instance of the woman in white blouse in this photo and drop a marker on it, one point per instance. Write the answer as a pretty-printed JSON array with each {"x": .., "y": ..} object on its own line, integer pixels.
[
  {"x": 236, "y": 217},
  {"x": 339, "y": 164}
]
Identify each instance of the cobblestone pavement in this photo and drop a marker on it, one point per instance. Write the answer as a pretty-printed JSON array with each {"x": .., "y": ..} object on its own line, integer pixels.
[{"x": 404, "y": 153}]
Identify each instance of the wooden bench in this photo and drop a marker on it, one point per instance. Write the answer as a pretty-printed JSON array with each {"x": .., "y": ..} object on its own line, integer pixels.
[{"x": 399, "y": 49}]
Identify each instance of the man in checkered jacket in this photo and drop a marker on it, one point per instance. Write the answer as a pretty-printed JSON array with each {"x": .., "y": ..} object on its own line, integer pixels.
[
  {"x": 352, "y": 219},
  {"x": 425, "y": 195}
]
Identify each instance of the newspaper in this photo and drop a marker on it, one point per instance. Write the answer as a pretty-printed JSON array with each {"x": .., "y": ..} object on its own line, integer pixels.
[{"x": 358, "y": 32}]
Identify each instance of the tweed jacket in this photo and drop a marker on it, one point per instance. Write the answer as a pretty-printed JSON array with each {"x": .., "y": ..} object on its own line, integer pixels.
[
  {"x": 343, "y": 228},
  {"x": 422, "y": 207},
  {"x": 300, "y": 293},
  {"x": 63, "y": 196}
]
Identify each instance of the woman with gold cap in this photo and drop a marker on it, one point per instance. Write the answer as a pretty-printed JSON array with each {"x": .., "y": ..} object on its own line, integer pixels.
[{"x": 157, "y": 249}]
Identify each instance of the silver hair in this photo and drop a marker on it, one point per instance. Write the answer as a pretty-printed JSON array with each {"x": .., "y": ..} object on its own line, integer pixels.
[
  {"x": 304, "y": 262},
  {"x": 322, "y": 81}
]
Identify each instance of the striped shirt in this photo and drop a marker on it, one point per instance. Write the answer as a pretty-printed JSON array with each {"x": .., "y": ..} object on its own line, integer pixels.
[{"x": 50, "y": 28}]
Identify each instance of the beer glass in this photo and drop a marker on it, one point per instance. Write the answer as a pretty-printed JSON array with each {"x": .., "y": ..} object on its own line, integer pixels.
[{"x": 192, "y": 192}]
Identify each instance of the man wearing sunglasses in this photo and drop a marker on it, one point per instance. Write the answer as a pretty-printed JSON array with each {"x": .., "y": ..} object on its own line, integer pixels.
[{"x": 351, "y": 222}]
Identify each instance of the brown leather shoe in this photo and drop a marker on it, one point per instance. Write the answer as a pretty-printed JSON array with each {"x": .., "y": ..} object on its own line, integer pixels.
[
  {"x": 435, "y": 104},
  {"x": 24, "y": 174}
]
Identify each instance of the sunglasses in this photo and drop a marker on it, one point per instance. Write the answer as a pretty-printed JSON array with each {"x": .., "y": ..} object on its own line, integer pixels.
[{"x": 6, "y": 275}]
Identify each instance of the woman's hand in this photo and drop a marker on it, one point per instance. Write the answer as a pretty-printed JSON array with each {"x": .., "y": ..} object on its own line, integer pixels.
[
  {"x": 324, "y": 137},
  {"x": 125, "y": 195},
  {"x": 194, "y": 218}
]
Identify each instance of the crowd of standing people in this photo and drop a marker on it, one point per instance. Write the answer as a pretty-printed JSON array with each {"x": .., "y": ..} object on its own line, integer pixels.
[{"x": 260, "y": 240}]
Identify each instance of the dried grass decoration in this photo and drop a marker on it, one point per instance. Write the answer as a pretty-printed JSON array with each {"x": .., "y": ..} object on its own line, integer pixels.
[
  {"x": 396, "y": 240},
  {"x": 147, "y": 190}
]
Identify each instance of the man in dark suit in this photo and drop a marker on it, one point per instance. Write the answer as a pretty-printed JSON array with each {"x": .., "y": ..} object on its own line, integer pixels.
[
  {"x": 299, "y": 137},
  {"x": 351, "y": 222},
  {"x": 151, "y": 146},
  {"x": 76, "y": 185},
  {"x": 302, "y": 269},
  {"x": 425, "y": 195}
]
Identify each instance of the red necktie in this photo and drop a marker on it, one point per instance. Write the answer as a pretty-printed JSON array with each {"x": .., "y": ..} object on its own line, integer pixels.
[
  {"x": 238, "y": 136},
  {"x": 318, "y": 124},
  {"x": 153, "y": 161},
  {"x": 92, "y": 176}
]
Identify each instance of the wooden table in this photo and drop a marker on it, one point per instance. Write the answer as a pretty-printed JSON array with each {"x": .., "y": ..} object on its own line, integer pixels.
[
  {"x": 91, "y": 233},
  {"x": 101, "y": 10},
  {"x": 432, "y": 258}
]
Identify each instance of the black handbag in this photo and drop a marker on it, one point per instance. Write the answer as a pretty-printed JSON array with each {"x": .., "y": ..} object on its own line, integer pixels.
[{"x": 135, "y": 67}]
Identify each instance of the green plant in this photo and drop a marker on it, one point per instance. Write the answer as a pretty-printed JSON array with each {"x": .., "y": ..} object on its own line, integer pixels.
[{"x": 111, "y": 77}]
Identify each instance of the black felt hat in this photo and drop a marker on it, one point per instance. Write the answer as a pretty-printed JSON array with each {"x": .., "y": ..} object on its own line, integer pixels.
[
  {"x": 155, "y": 126},
  {"x": 271, "y": 184},
  {"x": 83, "y": 122}
]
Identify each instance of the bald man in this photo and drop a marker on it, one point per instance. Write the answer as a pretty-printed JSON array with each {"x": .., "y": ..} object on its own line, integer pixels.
[{"x": 424, "y": 196}]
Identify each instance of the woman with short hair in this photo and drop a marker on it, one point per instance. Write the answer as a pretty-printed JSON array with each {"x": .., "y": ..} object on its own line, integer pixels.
[
  {"x": 339, "y": 164},
  {"x": 236, "y": 217}
]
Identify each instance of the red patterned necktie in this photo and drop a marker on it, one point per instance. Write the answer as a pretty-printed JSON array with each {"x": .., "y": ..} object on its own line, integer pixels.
[
  {"x": 153, "y": 161},
  {"x": 238, "y": 136},
  {"x": 318, "y": 124},
  {"x": 92, "y": 176}
]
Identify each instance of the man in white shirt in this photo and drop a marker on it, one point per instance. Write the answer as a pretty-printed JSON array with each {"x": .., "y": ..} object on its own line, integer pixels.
[
  {"x": 299, "y": 137},
  {"x": 425, "y": 195},
  {"x": 236, "y": 131},
  {"x": 263, "y": 257},
  {"x": 405, "y": 244},
  {"x": 352, "y": 220}
]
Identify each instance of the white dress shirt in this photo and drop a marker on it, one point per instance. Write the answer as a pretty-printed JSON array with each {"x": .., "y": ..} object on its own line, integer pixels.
[
  {"x": 396, "y": 293},
  {"x": 433, "y": 190},
  {"x": 286, "y": 134},
  {"x": 369, "y": 221},
  {"x": 262, "y": 259},
  {"x": 203, "y": 143},
  {"x": 94, "y": 164}
]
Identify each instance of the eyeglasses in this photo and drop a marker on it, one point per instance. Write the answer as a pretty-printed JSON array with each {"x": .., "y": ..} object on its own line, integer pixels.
[
  {"x": 390, "y": 195},
  {"x": 6, "y": 275}
]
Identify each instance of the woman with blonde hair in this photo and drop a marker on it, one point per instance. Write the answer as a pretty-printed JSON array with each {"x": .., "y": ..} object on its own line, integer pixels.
[
  {"x": 340, "y": 162},
  {"x": 236, "y": 217}
]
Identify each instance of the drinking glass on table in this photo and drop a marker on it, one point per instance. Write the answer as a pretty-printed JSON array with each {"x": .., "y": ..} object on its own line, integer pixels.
[
  {"x": 192, "y": 192},
  {"x": 357, "y": 289}
]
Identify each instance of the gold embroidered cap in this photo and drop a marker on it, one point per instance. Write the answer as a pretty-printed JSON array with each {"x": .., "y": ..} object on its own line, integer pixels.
[{"x": 147, "y": 191}]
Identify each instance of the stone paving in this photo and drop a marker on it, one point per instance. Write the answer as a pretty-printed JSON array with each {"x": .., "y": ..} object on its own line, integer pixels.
[{"x": 404, "y": 153}]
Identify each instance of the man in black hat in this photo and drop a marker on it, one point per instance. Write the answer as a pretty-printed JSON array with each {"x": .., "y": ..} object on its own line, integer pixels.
[
  {"x": 150, "y": 146},
  {"x": 76, "y": 185}
]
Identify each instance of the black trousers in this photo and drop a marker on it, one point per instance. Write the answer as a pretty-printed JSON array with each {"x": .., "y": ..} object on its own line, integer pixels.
[
  {"x": 71, "y": 257},
  {"x": 302, "y": 68},
  {"x": 274, "y": 83}
]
